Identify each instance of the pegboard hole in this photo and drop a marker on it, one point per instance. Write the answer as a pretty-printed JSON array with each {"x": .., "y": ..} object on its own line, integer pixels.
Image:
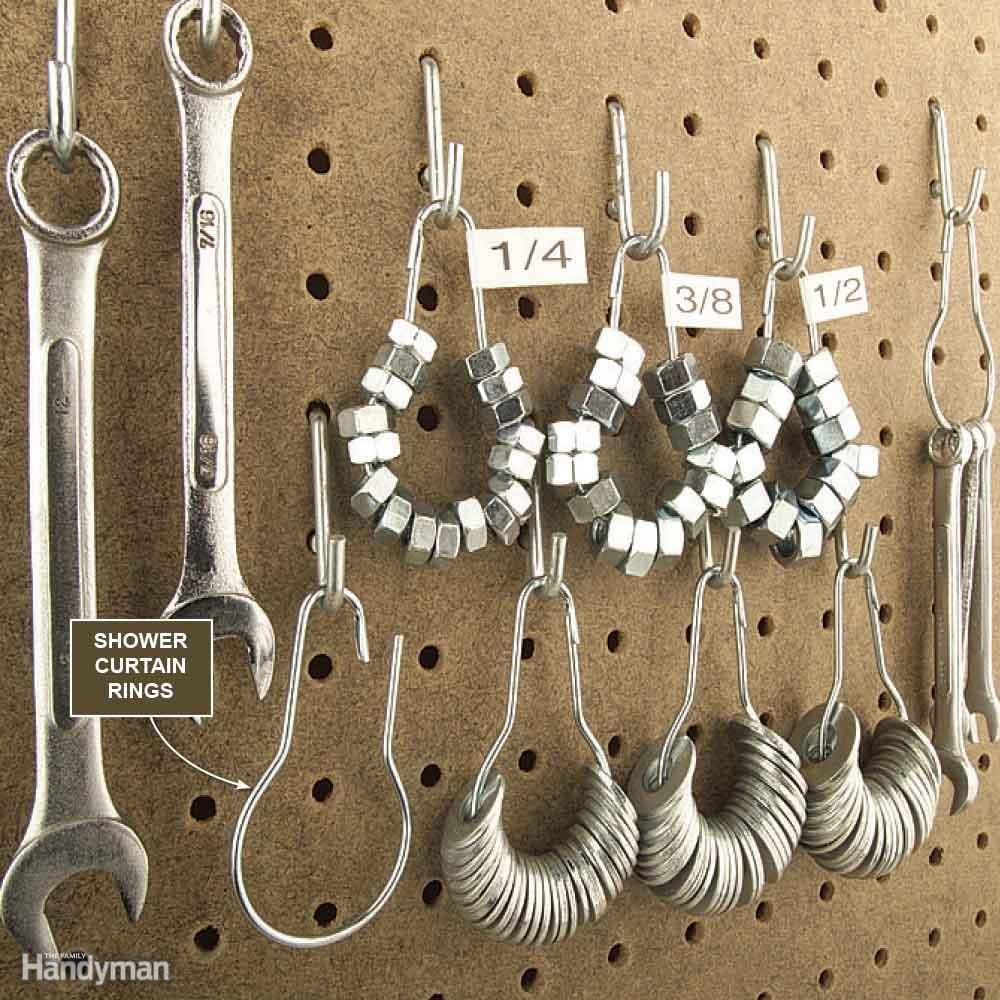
[
  {"x": 692, "y": 124},
  {"x": 982, "y": 841},
  {"x": 827, "y": 619},
  {"x": 615, "y": 6},
  {"x": 318, "y": 286},
  {"x": 936, "y": 856},
  {"x": 825, "y": 979},
  {"x": 938, "y": 355},
  {"x": 614, "y": 640},
  {"x": 932, "y": 24},
  {"x": 881, "y": 88},
  {"x": 527, "y": 307},
  {"x": 692, "y": 331},
  {"x": 431, "y": 892},
  {"x": 885, "y": 614},
  {"x": 428, "y": 657},
  {"x": 526, "y": 84},
  {"x": 936, "y": 271},
  {"x": 886, "y": 525},
  {"x": 765, "y": 626},
  {"x": 827, "y": 891},
  {"x": 207, "y": 939},
  {"x": 764, "y": 996},
  {"x": 322, "y": 789},
  {"x": 884, "y": 701},
  {"x": 694, "y": 932},
  {"x": 885, "y": 349},
  {"x": 761, "y": 48},
  {"x": 764, "y": 911},
  {"x": 825, "y": 69},
  {"x": 318, "y": 160},
  {"x": 881, "y": 5},
  {"x": 766, "y": 719},
  {"x": 203, "y": 808},
  {"x": 692, "y": 25},
  {"x": 885, "y": 436},
  {"x": 981, "y": 918},
  {"x": 617, "y": 954},
  {"x": 693, "y": 224},
  {"x": 687, "y": 633},
  {"x": 325, "y": 914},
  {"x": 427, "y": 297},
  {"x": 320, "y": 667},
  {"x": 979, "y": 993},
  {"x": 827, "y": 250},
  {"x": 984, "y": 202},
  {"x": 826, "y": 159},
  {"x": 984, "y": 762},
  {"x": 614, "y": 746},
  {"x": 321, "y": 38},
  {"x": 829, "y": 341},
  {"x": 430, "y": 775},
  {"x": 983, "y": 362},
  {"x": 984, "y": 281},
  {"x": 980, "y": 44},
  {"x": 882, "y": 958},
  {"x": 526, "y": 762},
  {"x": 934, "y": 937},
  {"x": 981, "y": 123},
  {"x": 694, "y": 733},
  {"x": 529, "y": 979},
  {"x": 526, "y": 193},
  {"x": 884, "y": 260},
  {"x": 882, "y": 174},
  {"x": 428, "y": 418},
  {"x": 527, "y": 648}
]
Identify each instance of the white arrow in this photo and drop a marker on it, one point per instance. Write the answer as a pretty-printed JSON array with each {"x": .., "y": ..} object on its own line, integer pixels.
[{"x": 240, "y": 786}]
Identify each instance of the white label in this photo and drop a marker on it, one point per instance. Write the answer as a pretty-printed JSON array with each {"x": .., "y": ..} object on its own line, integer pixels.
[
  {"x": 701, "y": 300},
  {"x": 834, "y": 294},
  {"x": 515, "y": 258}
]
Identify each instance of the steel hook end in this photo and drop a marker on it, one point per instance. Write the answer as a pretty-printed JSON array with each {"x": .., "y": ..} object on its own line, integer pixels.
[{"x": 336, "y": 563}]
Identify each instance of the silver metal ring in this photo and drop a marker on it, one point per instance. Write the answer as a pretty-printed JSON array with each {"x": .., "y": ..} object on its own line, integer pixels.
[{"x": 234, "y": 26}]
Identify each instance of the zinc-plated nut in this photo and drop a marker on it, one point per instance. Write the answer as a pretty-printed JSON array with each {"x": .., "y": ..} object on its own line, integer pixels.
[
  {"x": 371, "y": 448},
  {"x": 769, "y": 392},
  {"x": 818, "y": 370},
  {"x": 598, "y": 404},
  {"x": 513, "y": 493},
  {"x": 615, "y": 345},
  {"x": 418, "y": 542},
  {"x": 500, "y": 386},
  {"x": 586, "y": 469},
  {"x": 839, "y": 476},
  {"x": 601, "y": 499},
  {"x": 387, "y": 387},
  {"x": 374, "y": 491},
  {"x": 713, "y": 457},
  {"x": 749, "y": 505},
  {"x": 715, "y": 491},
  {"x": 559, "y": 469},
  {"x": 562, "y": 436},
  {"x": 805, "y": 542},
  {"x": 611, "y": 535},
  {"x": 685, "y": 403},
  {"x": 670, "y": 539},
  {"x": 404, "y": 364},
  {"x": 694, "y": 432},
  {"x": 524, "y": 435},
  {"x": 682, "y": 501},
  {"x": 588, "y": 435},
  {"x": 616, "y": 379},
  {"x": 394, "y": 518},
  {"x": 781, "y": 518},
  {"x": 507, "y": 412},
  {"x": 774, "y": 357},
  {"x": 403, "y": 333},
  {"x": 500, "y": 519},
  {"x": 863, "y": 459},
  {"x": 642, "y": 554},
  {"x": 750, "y": 463},
  {"x": 831, "y": 436},
  {"x": 512, "y": 461},
  {"x": 491, "y": 360},
  {"x": 448, "y": 543},
  {"x": 823, "y": 404},
  {"x": 581, "y": 469},
  {"x": 756, "y": 420},
  {"x": 356, "y": 421},
  {"x": 819, "y": 499},
  {"x": 472, "y": 521},
  {"x": 670, "y": 376}
]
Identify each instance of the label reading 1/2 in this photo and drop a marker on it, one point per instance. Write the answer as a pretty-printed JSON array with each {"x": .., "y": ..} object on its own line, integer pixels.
[
  {"x": 831, "y": 295},
  {"x": 134, "y": 668},
  {"x": 701, "y": 300},
  {"x": 517, "y": 258}
]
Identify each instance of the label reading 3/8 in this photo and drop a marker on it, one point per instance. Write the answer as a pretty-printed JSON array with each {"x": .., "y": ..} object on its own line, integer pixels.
[
  {"x": 516, "y": 258},
  {"x": 701, "y": 300},
  {"x": 831, "y": 295}
]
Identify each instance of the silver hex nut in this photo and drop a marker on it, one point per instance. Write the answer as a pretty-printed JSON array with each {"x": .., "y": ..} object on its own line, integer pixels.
[
  {"x": 448, "y": 543},
  {"x": 769, "y": 392},
  {"x": 713, "y": 457},
  {"x": 804, "y": 543},
  {"x": 671, "y": 376},
  {"x": 643, "y": 551},
  {"x": 500, "y": 386},
  {"x": 685, "y": 403},
  {"x": 491, "y": 360},
  {"x": 559, "y": 469},
  {"x": 714, "y": 490},
  {"x": 394, "y": 518},
  {"x": 404, "y": 364},
  {"x": 774, "y": 357},
  {"x": 513, "y": 493},
  {"x": 371, "y": 448},
  {"x": 385, "y": 386},
  {"x": 588, "y": 436},
  {"x": 616, "y": 345},
  {"x": 374, "y": 491},
  {"x": 839, "y": 476},
  {"x": 682, "y": 501},
  {"x": 586, "y": 469},
  {"x": 597, "y": 501},
  {"x": 750, "y": 463},
  {"x": 749, "y": 505},
  {"x": 472, "y": 521},
  {"x": 694, "y": 432},
  {"x": 421, "y": 535},
  {"x": 561, "y": 438},
  {"x": 500, "y": 519},
  {"x": 670, "y": 539},
  {"x": 832, "y": 435},
  {"x": 823, "y": 404},
  {"x": 358, "y": 421},
  {"x": 595, "y": 403},
  {"x": 611, "y": 535},
  {"x": 862, "y": 458},
  {"x": 524, "y": 435},
  {"x": 613, "y": 377},
  {"x": 755, "y": 420},
  {"x": 512, "y": 461},
  {"x": 507, "y": 412},
  {"x": 784, "y": 511},
  {"x": 818, "y": 369},
  {"x": 403, "y": 333},
  {"x": 821, "y": 500}
]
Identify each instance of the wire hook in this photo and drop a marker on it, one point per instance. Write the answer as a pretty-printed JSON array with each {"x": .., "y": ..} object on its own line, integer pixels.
[
  {"x": 209, "y": 25},
  {"x": 552, "y": 576},
  {"x": 786, "y": 268},
  {"x": 62, "y": 85},
  {"x": 442, "y": 179},
  {"x": 330, "y": 550},
  {"x": 641, "y": 245},
  {"x": 942, "y": 186}
]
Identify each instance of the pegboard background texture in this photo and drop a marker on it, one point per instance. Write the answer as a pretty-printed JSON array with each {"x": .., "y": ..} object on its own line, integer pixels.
[{"x": 842, "y": 89}]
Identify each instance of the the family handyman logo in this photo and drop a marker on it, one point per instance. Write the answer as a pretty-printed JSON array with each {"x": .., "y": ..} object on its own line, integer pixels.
[{"x": 78, "y": 967}]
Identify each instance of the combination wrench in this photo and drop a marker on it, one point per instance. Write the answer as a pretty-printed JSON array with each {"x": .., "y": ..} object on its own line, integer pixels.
[
  {"x": 950, "y": 450},
  {"x": 211, "y": 584},
  {"x": 74, "y": 825}
]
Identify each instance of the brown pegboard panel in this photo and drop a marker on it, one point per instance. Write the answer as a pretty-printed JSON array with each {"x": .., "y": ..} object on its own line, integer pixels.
[{"x": 842, "y": 89}]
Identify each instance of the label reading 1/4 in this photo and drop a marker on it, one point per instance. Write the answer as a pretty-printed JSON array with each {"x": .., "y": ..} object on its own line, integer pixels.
[
  {"x": 831, "y": 295},
  {"x": 517, "y": 258},
  {"x": 701, "y": 300},
  {"x": 134, "y": 668}
]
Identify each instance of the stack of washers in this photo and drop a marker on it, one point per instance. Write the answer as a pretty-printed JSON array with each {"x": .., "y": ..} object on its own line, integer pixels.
[
  {"x": 863, "y": 823},
  {"x": 542, "y": 898},
  {"x": 711, "y": 864}
]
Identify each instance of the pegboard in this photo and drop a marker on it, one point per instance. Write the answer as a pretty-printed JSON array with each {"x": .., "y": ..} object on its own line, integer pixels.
[{"x": 329, "y": 143}]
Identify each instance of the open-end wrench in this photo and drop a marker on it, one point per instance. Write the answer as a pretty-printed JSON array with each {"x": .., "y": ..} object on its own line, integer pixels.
[
  {"x": 211, "y": 584},
  {"x": 74, "y": 826},
  {"x": 950, "y": 450},
  {"x": 980, "y": 693}
]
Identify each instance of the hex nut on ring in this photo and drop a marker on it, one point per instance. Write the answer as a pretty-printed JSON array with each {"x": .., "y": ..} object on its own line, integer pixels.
[
  {"x": 491, "y": 360},
  {"x": 714, "y": 457},
  {"x": 507, "y": 412},
  {"x": 804, "y": 543},
  {"x": 756, "y": 420},
  {"x": 472, "y": 521},
  {"x": 601, "y": 499},
  {"x": 683, "y": 502},
  {"x": 598, "y": 404},
  {"x": 404, "y": 364},
  {"x": 670, "y": 538},
  {"x": 448, "y": 543},
  {"x": 611, "y": 535},
  {"x": 644, "y": 549},
  {"x": 715, "y": 491},
  {"x": 780, "y": 520},
  {"x": 360, "y": 421},
  {"x": 374, "y": 491},
  {"x": 687, "y": 435},
  {"x": 773, "y": 357},
  {"x": 403, "y": 333},
  {"x": 670, "y": 376},
  {"x": 500, "y": 519},
  {"x": 616, "y": 345},
  {"x": 394, "y": 518},
  {"x": 818, "y": 370},
  {"x": 418, "y": 542},
  {"x": 749, "y": 505},
  {"x": 834, "y": 434}
]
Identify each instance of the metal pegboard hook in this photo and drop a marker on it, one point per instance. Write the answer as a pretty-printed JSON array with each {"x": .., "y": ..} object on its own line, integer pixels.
[
  {"x": 330, "y": 550},
  {"x": 551, "y": 575},
  {"x": 209, "y": 25},
  {"x": 62, "y": 85},
  {"x": 942, "y": 187},
  {"x": 620, "y": 208},
  {"x": 790, "y": 267},
  {"x": 443, "y": 178}
]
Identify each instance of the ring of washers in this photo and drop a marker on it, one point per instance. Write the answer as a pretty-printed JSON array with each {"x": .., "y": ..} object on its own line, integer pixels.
[
  {"x": 796, "y": 521},
  {"x": 428, "y": 535}
]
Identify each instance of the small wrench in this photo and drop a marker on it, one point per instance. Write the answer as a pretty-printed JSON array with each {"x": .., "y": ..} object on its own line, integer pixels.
[
  {"x": 74, "y": 826},
  {"x": 950, "y": 450},
  {"x": 980, "y": 694},
  {"x": 211, "y": 584}
]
